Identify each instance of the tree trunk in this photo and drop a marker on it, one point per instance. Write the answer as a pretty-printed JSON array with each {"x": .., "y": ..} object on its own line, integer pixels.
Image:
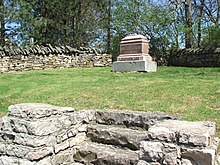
[
  {"x": 44, "y": 30},
  {"x": 188, "y": 17},
  {"x": 200, "y": 21},
  {"x": 109, "y": 28},
  {"x": 2, "y": 23},
  {"x": 79, "y": 38},
  {"x": 218, "y": 14}
]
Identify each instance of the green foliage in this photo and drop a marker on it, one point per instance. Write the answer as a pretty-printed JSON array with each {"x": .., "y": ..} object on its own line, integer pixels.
[
  {"x": 143, "y": 18},
  {"x": 103, "y": 23},
  {"x": 212, "y": 38},
  {"x": 73, "y": 23}
]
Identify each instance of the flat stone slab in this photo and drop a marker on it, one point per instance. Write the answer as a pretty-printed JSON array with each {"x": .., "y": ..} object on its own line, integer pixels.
[
  {"x": 130, "y": 118},
  {"x": 7, "y": 160},
  {"x": 36, "y": 110},
  {"x": 100, "y": 154},
  {"x": 184, "y": 132},
  {"x": 114, "y": 135},
  {"x": 40, "y": 127}
]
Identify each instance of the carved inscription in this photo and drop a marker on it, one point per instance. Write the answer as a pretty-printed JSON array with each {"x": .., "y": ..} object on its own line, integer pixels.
[
  {"x": 131, "y": 49},
  {"x": 130, "y": 59}
]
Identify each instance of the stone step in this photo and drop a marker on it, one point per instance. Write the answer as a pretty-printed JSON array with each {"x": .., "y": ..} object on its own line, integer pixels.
[
  {"x": 102, "y": 154},
  {"x": 130, "y": 118},
  {"x": 115, "y": 135}
]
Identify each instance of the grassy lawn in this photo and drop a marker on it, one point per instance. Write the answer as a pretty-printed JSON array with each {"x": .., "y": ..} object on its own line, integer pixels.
[{"x": 194, "y": 93}]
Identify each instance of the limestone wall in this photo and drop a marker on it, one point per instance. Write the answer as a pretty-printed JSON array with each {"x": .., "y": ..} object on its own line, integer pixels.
[
  {"x": 42, "y": 134},
  {"x": 45, "y": 57},
  {"x": 195, "y": 57}
]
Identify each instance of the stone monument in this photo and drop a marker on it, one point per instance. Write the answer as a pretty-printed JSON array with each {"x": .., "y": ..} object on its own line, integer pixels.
[{"x": 134, "y": 55}]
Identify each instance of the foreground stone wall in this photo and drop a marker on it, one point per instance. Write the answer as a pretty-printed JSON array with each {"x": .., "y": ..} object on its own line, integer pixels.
[
  {"x": 42, "y": 134},
  {"x": 195, "y": 57},
  {"x": 46, "y": 57}
]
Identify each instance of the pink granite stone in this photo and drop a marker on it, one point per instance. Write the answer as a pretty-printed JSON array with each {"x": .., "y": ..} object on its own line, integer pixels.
[{"x": 134, "y": 48}]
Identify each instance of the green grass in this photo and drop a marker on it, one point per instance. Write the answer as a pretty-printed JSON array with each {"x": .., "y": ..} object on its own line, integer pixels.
[{"x": 193, "y": 93}]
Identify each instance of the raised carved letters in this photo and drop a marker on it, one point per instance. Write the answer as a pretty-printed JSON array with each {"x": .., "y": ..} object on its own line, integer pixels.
[{"x": 131, "y": 49}]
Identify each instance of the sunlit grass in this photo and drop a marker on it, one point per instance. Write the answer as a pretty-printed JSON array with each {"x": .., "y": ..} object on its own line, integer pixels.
[{"x": 193, "y": 93}]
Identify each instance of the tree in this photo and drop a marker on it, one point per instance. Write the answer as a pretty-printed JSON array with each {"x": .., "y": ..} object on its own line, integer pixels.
[
  {"x": 188, "y": 23},
  {"x": 200, "y": 8},
  {"x": 59, "y": 22},
  {"x": 2, "y": 23},
  {"x": 109, "y": 26},
  {"x": 169, "y": 24},
  {"x": 150, "y": 19}
]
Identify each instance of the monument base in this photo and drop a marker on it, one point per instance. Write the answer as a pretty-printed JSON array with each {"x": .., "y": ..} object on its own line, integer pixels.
[{"x": 139, "y": 66}]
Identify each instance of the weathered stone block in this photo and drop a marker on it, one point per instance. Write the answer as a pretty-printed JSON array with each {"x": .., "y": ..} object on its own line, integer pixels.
[
  {"x": 2, "y": 148},
  {"x": 39, "y": 127},
  {"x": 44, "y": 161},
  {"x": 70, "y": 142},
  {"x": 100, "y": 154},
  {"x": 82, "y": 128},
  {"x": 34, "y": 141},
  {"x": 142, "y": 162},
  {"x": 116, "y": 136},
  {"x": 61, "y": 146},
  {"x": 189, "y": 133},
  {"x": 7, "y": 160},
  {"x": 161, "y": 134},
  {"x": 130, "y": 118},
  {"x": 164, "y": 153},
  {"x": 28, "y": 152},
  {"x": 78, "y": 139},
  {"x": 196, "y": 156},
  {"x": 36, "y": 110},
  {"x": 63, "y": 157},
  {"x": 67, "y": 133},
  {"x": 84, "y": 116}
]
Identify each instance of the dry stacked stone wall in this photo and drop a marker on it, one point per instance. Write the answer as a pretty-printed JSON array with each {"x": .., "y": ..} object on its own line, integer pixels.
[
  {"x": 206, "y": 57},
  {"x": 42, "y": 134},
  {"x": 45, "y": 57}
]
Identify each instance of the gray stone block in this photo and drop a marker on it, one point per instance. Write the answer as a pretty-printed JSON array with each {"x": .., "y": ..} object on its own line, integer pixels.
[
  {"x": 39, "y": 127},
  {"x": 164, "y": 153},
  {"x": 29, "y": 153},
  {"x": 100, "y": 154},
  {"x": 130, "y": 66},
  {"x": 63, "y": 157},
  {"x": 7, "y": 160},
  {"x": 118, "y": 136},
  {"x": 36, "y": 110},
  {"x": 184, "y": 132},
  {"x": 131, "y": 118},
  {"x": 34, "y": 141}
]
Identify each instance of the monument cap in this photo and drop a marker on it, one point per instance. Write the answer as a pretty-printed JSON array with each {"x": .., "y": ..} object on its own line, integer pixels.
[{"x": 134, "y": 36}]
